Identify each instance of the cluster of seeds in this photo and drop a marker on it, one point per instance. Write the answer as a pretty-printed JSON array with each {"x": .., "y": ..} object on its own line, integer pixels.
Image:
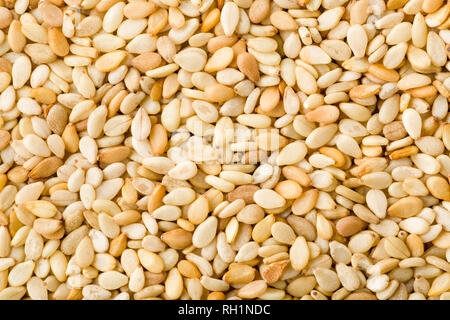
[{"x": 218, "y": 149}]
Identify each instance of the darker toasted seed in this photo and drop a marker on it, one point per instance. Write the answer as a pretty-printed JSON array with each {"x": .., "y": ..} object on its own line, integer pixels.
[
  {"x": 349, "y": 226},
  {"x": 244, "y": 192},
  {"x": 115, "y": 154},
  {"x": 177, "y": 238},
  {"x": 5, "y": 137},
  {"x": 46, "y": 168},
  {"x": 394, "y": 131},
  {"x": 248, "y": 65}
]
